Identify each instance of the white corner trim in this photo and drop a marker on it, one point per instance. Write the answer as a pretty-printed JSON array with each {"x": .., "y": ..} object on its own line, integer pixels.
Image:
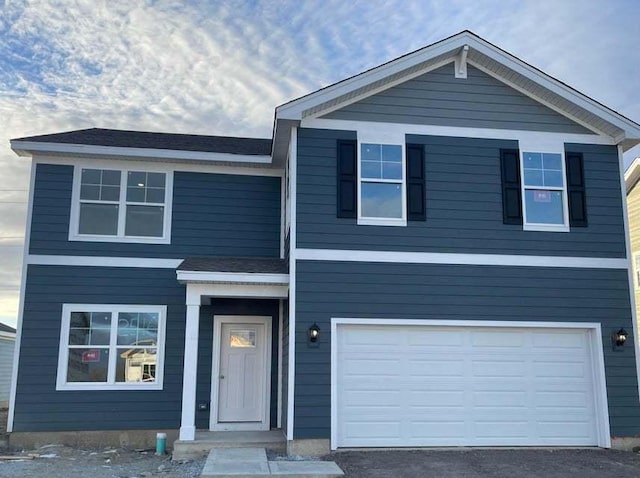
[
  {"x": 595, "y": 334},
  {"x": 232, "y": 277},
  {"x": 101, "y": 261},
  {"x": 280, "y": 365},
  {"x": 23, "y": 285},
  {"x": 460, "y": 259},
  {"x": 147, "y": 153},
  {"x": 293, "y": 253},
  {"x": 111, "y": 384}
]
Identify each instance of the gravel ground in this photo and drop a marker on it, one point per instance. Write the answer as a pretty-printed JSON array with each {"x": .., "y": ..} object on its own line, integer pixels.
[{"x": 53, "y": 461}]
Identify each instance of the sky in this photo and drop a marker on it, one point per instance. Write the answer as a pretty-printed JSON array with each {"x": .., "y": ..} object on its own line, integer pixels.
[{"x": 221, "y": 67}]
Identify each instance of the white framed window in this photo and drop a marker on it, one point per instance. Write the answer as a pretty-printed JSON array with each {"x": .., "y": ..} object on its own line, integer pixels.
[
  {"x": 111, "y": 347},
  {"x": 382, "y": 198},
  {"x": 544, "y": 190},
  {"x": 121, "y": 205}
]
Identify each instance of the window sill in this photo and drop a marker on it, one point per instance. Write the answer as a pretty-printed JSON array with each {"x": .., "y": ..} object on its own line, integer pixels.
[
  {"x": 138, "y": 240},
  {"x": 546, "y": 228},
  {"x": 367, "y": 221},
  {"x": 106, "y": 387}
]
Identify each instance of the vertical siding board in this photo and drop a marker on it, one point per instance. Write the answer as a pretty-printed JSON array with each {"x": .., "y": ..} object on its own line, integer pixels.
[
  {"x": 213, "y": 214},
  {"x": 438, "y": 98},
  {"x": 464, "y": 200},
  {"x": 452, "y": 292}
]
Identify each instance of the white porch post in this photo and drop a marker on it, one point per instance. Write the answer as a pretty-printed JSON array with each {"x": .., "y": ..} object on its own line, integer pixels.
[{"x": 189, "y": 376}]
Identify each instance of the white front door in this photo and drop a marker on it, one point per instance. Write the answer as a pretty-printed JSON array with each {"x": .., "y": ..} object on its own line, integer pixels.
[{"x": 241, "y": 373}]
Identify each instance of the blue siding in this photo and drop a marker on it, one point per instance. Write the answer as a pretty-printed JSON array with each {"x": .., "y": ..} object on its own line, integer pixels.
[
  {"x": 464, "y": 203},
  {"x": 438, "y": 98},
  {"x": 39, "y": 407},
  {"x": 368, "y": 290},
  {"x": 213, "y": 214}
]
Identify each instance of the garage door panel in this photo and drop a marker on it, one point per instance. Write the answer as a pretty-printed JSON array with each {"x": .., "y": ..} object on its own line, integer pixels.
[{"x": 494, "y": 387}]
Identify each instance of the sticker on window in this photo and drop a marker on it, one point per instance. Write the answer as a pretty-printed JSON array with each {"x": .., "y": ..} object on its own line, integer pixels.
[
  {"x": 542, "y": 196},
  {"x": 242, "y": 338},
  {"x": 89, "y": 356}
]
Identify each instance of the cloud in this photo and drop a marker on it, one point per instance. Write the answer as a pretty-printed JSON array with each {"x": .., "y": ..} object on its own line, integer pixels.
[{"x": 221, "y": 67}]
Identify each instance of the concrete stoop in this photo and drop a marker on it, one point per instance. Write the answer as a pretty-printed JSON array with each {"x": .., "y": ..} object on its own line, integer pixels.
[
  {"x": 253, "y": 463},
  {"x": 206, "y": 441}
]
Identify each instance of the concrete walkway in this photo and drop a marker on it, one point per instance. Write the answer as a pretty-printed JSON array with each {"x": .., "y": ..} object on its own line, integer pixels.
[{"x": 252, "y": 462}]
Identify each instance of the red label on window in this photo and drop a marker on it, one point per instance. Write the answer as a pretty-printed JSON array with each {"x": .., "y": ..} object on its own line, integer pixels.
[
  {"x": 542, "y": 196},
  {"x": 91, "y": 356}
]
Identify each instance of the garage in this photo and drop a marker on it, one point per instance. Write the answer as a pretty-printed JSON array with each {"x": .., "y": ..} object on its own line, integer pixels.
[{"x": 425, "y": 383}]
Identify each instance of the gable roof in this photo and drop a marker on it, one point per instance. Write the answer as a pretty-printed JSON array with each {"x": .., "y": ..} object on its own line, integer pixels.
[
  {"x": 146, "y": 144},
  {"x": 484, "y": 56},
  {"x": 7, "y": 329}
]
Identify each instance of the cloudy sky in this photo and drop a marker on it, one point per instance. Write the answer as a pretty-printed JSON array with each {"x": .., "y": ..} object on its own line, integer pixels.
[{"x": 220, "y": 67}]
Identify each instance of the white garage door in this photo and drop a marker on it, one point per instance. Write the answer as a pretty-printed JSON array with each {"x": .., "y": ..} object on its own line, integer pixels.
[{"x": 464, "y": 386}]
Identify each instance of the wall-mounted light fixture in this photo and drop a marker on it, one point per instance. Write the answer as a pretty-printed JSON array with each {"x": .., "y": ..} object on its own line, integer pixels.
[
  {"x": 314, "y": 335},
  {"x": 619, "y": 338}
]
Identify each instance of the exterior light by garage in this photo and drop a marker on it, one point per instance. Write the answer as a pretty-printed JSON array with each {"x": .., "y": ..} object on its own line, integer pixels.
[
  {"x": 619, "y": 338},
  {"x": 314, "y": 335}
]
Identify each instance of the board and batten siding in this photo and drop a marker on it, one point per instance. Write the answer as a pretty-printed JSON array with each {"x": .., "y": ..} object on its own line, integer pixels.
[
  {"x": 213, "y": 214},
  {"x": 6, "y": 366},
  {"x": 457, "y": 292},
  {"x": 438, "y": 98},
  {"x": 39, "y": 407},
  {"x": 463, "y": 203}
]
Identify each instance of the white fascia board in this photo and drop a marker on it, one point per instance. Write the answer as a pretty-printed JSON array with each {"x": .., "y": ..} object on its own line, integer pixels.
[
  {"x": 21, "y": 147},
  {"x": 632, "y": 174},
  {"x": 460, "y": 259},
  {"x": 514, "y": 63},
  {"x": 232, "y": 277},
  {"x": 103, "y": 261},
  {"x": 8, "y": 335},
  {"x": 294, "y": 109}
]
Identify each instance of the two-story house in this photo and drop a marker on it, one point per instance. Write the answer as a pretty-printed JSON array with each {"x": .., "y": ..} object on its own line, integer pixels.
[{"x": 431, "y": 253}]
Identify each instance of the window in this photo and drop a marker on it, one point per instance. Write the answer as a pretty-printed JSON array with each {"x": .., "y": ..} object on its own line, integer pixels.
[
  {"x": 381, "y": 184},
  {"x": 121, "y": 205},
  {"x": 111, "y": 347},
  {"x": 544, "y": 191}
]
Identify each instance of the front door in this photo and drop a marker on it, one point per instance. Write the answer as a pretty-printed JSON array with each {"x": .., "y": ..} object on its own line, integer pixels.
[{"x": 241, "y": 374}]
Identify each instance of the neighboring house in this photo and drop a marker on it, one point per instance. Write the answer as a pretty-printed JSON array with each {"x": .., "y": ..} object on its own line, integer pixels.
[
  {"x": 631, "y": 177},
  {"x": 430, "y": 253},
  {"x": 7, "y": 344}
]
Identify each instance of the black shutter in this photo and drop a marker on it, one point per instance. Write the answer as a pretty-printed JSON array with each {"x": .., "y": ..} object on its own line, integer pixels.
[
  {"x": 416, "y": 200},
  {"x": 347, "y": 184},
  {"x": 511, "y": 192},
  {"x": 576, "y": 190}
]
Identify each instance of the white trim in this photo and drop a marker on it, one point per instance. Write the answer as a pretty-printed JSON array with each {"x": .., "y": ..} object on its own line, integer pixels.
[
  {"x": 8, "y": 335},
  {"x": 455, "y": 131},
  {"x": 632, "y": 267},
  {"x": 190, "y": 369},
  {"x": 460, "y": 63},
  {"x": 251, "y": 291},
  {"x": 601, "y": 404},
  {"x": 293, "y": 254},
  {"x": 120, "y": 236},
  {"x": 23, "y": 285},
  {"x": 232, "y": 277},
  {"x": 111, "y": 384},
  {"x": 636, "y": 270},
  {"x": 296, "y": 109},
  {"x": 106, "y": 163},
  {"x": 465, "y": 259},
  {"x": 102, "y": 261},
  {"x": 280, "y": 343},
  {"x": 218, "y": 320},
  {"x": 128, "y": 152}
]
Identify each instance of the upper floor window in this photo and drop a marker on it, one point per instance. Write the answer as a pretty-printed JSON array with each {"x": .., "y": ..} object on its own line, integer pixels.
[
  {"x": 544, "y": 189},
  {"x": 382, "y": 182},
  {"x": 121, "y": 205},
  {"x": 111, "y": 347}
]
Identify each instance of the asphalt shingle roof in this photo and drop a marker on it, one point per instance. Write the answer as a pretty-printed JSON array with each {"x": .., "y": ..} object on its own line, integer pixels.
[
  {"x": 146, "y": 139},
  {"x": 259, "y": 265}
]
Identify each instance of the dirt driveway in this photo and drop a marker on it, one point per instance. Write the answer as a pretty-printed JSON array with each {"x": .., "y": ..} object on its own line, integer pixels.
[{"x": 557, "y": 463}]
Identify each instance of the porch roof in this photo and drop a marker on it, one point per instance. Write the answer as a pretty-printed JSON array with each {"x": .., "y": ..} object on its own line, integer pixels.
[{"x": 233, "y": 270}]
